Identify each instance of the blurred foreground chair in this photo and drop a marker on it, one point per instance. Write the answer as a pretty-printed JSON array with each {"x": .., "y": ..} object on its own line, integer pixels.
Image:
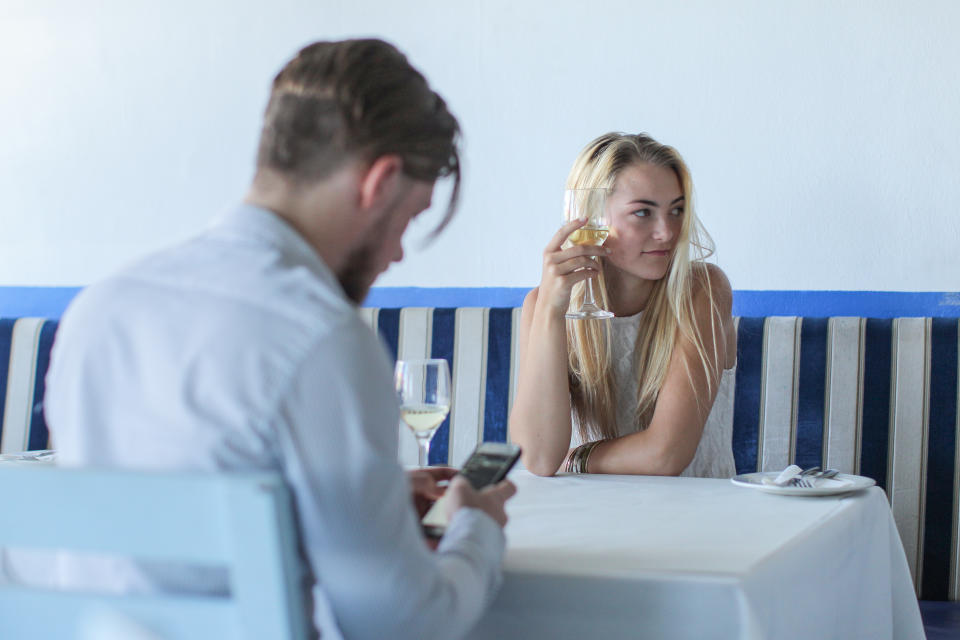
[{"x": 243, "y": 523}]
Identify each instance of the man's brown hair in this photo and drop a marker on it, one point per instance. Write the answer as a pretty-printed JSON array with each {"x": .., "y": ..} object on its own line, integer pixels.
[{"x": 357, "y": 98}]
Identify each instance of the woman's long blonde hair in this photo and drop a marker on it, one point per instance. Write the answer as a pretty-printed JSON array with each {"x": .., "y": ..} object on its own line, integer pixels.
[{"x": 669, "y": 310}]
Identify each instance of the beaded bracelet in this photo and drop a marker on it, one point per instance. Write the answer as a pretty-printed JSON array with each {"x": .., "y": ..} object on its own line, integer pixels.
[{"x": 577, "y": 463}]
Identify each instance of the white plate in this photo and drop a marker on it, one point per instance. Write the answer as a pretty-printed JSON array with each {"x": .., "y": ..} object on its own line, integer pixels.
[{"x": 842, "y": 483}]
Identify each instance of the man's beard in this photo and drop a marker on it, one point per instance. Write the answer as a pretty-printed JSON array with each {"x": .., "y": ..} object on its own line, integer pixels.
[
  {"x": 360, "y": 269},
  {"x": 358, "y": 274}
]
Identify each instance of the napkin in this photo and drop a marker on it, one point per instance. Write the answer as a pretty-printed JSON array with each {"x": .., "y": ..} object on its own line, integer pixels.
[{"x": 785, "y": 476}]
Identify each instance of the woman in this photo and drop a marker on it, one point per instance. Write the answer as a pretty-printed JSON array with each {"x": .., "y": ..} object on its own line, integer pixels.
[{"x": 629, "y": 395}]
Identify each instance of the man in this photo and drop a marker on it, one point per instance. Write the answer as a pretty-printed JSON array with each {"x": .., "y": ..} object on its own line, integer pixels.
[{"x": 241, "y": 349}]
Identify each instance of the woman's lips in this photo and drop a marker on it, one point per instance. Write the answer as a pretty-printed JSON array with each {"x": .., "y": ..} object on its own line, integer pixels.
[{"x": 657, "y": 254}]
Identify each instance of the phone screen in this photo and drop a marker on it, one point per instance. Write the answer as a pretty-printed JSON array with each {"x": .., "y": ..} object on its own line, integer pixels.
[
  {"x": 485, "y": 468},
  {"x": 488, "y": 464}
]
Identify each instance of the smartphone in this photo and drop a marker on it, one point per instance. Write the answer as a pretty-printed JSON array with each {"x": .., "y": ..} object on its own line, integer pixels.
[{"x": 488, "y": 464}]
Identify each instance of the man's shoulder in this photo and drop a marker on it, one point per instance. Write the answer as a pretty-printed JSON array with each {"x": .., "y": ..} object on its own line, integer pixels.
[
  {"x": 209, "y": 273},
  {"x": 223, "y": 303}
]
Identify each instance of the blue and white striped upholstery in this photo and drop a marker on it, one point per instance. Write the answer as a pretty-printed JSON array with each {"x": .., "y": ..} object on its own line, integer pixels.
[
  {"x": 480, "y": 344},
  {"x": 876, "y": 397},
  {"x": 24, "y": 356}
]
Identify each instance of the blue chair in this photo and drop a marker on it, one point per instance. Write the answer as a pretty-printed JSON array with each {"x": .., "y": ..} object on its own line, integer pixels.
[{"x": 243, "y": 523}]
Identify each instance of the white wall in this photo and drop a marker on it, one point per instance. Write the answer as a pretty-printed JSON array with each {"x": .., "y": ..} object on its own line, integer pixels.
[{"x": 823, "y": 136}]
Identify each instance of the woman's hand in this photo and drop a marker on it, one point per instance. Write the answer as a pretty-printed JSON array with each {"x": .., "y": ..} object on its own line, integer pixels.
[{"x": 563, "y": 268}]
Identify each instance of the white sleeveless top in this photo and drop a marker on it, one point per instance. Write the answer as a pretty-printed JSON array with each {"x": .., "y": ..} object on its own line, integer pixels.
[{"x": 714, "y": 456}]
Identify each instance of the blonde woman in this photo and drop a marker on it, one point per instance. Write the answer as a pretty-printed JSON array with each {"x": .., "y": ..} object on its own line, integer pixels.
[{"x": 632, "y": 394}]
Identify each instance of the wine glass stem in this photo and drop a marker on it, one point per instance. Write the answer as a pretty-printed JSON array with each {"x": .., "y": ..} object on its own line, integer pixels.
[
  {"x": 424, "y": 445},
  {"x": 588, "y": 296}
]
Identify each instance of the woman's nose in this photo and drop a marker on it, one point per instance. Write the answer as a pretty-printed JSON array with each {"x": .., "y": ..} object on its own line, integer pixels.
[{"x": 663, "y": 230}]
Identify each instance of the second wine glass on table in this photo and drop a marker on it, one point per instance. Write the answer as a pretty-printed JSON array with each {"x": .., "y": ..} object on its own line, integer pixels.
[
  {"x": 592, "y": 205},
  {"x": 423, "y": 389}
]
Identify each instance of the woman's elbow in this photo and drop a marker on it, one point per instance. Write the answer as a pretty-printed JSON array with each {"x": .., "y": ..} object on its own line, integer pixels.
[
  {"x": 672, "y": 469},
  {"x": 671, "y": 462},
  {"x": 540, "y": 465}
]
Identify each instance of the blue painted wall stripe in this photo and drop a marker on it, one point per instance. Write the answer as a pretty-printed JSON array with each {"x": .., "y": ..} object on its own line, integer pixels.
[
  {"x": 875, "y": 430},
  {"x": 39, "y": 436},
  {"x": 444, "y": 329},
  {"x": 863, "y": 304},
  {"x": 941, "y": 449},
  {"x": 36, "y": 302},
  {"x": 446, "y": 297},
  {"x": 499, "y": 337},
  {"x": 811, "y": 392},
  {"x": 50, "y": 302},
  {"x": 746, "y": 396}
]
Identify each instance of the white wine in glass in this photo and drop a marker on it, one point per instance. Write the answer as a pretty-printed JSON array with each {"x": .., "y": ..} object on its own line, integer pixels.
[
  {"x": 590, "y": 235},
  {"x": 423, "y": 389},
  {"x": 592, "y": 205},
  {"x": 423, "y": 418}
]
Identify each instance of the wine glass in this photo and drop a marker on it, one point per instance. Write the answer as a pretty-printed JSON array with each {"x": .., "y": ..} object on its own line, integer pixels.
[
  {"x": 423, "y": 389},
  {"x": 592, "y": 205}
]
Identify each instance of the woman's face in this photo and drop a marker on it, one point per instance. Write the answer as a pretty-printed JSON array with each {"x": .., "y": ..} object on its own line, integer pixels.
[{"x": 646, "y": 210}]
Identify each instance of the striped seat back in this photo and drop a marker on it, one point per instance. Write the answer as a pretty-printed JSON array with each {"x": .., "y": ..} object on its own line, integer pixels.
[
  {"x": 479, "y": 344},
  {"x": 24, "y": 357},
  {"x": 877, "y": 397}
]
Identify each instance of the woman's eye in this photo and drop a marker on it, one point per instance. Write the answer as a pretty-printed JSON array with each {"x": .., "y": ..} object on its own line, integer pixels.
[
  {"x": 642, "y": 213},
  {"x": 677, "y": 212}
]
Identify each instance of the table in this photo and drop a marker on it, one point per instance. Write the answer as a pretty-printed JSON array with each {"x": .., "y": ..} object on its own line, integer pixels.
[{"x": 593, "y": 556}]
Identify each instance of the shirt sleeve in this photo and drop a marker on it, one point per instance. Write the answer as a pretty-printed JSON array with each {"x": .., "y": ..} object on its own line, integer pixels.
[{"x": 337, "y": 427}]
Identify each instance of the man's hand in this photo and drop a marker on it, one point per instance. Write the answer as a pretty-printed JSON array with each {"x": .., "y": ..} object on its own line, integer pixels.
[
  {"x": 490, "y": 500},
  {"x": 424, "y": 487}
]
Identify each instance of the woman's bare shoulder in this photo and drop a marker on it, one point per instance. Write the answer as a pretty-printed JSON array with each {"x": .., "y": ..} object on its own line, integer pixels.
[
  {"x": 529, "y": 305},
  {"x": 710, "y": 282},
  {"x": 530, "y": 300}
]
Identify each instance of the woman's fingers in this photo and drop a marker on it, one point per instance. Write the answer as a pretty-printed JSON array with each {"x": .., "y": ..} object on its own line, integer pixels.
[
  {"x": 561, "y": 235},
  {"x": 577, "y": 251},
  {"x": 563, "y": 267},
  {"x": 577, "y": 276}
]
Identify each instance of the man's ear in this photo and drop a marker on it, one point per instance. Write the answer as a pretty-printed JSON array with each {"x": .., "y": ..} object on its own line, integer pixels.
[{"x": 378, "y": 185}]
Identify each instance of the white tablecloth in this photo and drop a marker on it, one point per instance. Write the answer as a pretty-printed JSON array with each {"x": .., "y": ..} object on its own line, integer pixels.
[{"x": 597, "y": 556}]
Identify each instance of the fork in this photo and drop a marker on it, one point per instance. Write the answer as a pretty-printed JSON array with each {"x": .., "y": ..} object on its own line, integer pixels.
[
  {"x": 814, "y": 473},
  {"x": 800, "y": 480}
]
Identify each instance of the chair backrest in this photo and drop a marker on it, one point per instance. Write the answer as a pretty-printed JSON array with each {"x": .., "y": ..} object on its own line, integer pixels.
[{"x": 241, "y": 522}]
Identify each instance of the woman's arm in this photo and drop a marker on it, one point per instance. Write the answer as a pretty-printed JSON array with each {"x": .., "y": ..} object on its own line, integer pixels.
[
  {"x": 668, "y": 444},
  {"x": 540, "y": 418}
]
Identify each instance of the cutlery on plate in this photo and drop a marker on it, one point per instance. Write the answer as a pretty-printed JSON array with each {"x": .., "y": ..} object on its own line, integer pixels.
[
  {"x": 802, "y": 479},
  {"x": 808, "y": 479}
]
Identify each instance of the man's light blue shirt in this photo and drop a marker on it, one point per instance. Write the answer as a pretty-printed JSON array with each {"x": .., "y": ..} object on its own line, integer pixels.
[{"x": 238, "y": 350}]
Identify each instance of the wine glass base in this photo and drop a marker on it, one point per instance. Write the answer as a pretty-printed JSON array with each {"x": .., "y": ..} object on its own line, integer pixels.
[{"x": 588, "y": 314}]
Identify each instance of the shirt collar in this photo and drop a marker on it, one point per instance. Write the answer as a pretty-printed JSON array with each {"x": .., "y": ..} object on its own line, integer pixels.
[{"x": 252, "y": 222}]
